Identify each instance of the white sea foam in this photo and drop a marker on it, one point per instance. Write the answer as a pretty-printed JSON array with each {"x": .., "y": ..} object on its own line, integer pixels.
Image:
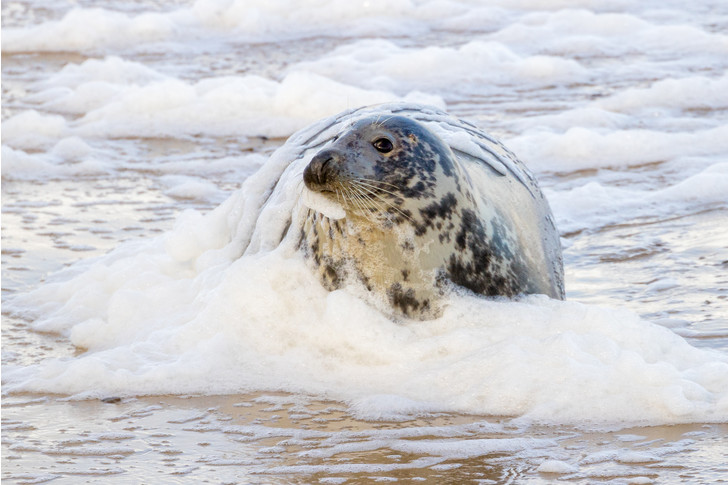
[
  {"x": 185, "y": 312},
  {"x": 93, "y": 29},
  {"x": 583, "y": 32},
  {"x": 594, "y": 204},
  {"x": 694, "y": 92},
  {"x": 381, "y": 64},
  {"x": 325, "y": 206},
  {"x": 111, "y": 69},
  {"x": 568, "y": 29},
  {"x": 117, "y": 98},
  {"x": 185, "y": 187},
  {"x": 31, "y": 129},
  {"x": 618, "y": 106},
  {"x": 194, "y": 311},
  {"x": 583, "y": 148},
  {"x": 557, "y": 467},
  {"x": 87, "y": 29},
  {"x": 19, "y": 165}
]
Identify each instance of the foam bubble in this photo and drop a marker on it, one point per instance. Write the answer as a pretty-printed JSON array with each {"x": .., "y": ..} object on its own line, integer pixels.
[
  {"x": 557, "y": 467},
  {"x": 110, "y": 69},
  {"x": 184, "y": 187},
  {"x": 31, "y": 129},
  {"x": 71, "y": 148}
]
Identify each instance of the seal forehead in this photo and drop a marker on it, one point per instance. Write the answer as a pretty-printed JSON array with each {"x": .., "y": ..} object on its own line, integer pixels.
[
  {"x": 413, "y": 142},
  {"x": 398, "y": 125}
]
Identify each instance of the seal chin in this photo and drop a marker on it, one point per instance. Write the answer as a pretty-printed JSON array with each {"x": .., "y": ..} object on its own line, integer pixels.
[{"x": 323, "y": 170}]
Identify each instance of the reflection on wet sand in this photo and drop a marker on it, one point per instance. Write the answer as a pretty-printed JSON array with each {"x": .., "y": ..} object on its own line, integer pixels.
[{"x": 281, "y": 438}]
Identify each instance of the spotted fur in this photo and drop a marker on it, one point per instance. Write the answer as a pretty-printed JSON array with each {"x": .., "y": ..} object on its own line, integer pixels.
[{"x": 418, "y": 216}]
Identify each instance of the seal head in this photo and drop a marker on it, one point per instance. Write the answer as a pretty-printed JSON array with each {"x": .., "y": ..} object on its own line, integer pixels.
[{"x": 386, "y": 161}]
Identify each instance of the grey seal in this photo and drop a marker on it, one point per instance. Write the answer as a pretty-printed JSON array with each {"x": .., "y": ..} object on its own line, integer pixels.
[{"x": 428, "y": 201}]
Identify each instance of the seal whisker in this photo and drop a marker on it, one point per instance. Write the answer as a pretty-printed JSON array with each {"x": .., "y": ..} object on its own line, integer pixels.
[
  {"x": 363, "y": 201},
  {"x": 379, "y": 123},
  {"x": 383, "y": 203},
  {"x": 341, "y": 193},
  {"x": 385, "y": 208},
  {"x": 372, "y": 190},
  {"x": 388, "y": 204},
  {"x": 377, "y": 183},
  {"x": 338, "y": 195},
  {"x": 364, "y": 182},
  {"x": 354, "y": 199},
  {"x": 365, "y": 197},
  {"x": 389, "y": 207}
]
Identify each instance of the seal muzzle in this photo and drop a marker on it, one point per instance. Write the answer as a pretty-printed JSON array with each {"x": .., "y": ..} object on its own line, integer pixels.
[{"x": 322, "y": 170}]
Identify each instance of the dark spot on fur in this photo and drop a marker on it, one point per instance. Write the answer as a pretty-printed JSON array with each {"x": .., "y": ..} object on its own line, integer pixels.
[
  {"x": 365, "y": 281},
  {"x": 473, "y": 266},
  {"x": 331, "y": 275},
  {"x": 425, "y": 306},
  {"x": 408, "y": 246},
  {"x": 435, "y": 213},
  {"x": 315, "y": 251},
  {"x": 404, "y": 300}
]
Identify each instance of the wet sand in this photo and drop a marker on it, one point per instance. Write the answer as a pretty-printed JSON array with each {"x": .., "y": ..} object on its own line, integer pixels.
[{"x": 279, "y": 438}]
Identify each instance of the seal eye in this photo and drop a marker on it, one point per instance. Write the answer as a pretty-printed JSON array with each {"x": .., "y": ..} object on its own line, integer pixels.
[{"x": 383, "y": 145}]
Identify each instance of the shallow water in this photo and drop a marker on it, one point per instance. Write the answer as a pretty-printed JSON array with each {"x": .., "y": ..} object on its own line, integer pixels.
[{"x": 110, "y": 134}]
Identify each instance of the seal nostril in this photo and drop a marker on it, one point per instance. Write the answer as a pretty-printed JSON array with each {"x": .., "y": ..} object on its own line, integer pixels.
[
  {"x": 320, "y": 170},
  {"x": 310, "y": 177}
]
